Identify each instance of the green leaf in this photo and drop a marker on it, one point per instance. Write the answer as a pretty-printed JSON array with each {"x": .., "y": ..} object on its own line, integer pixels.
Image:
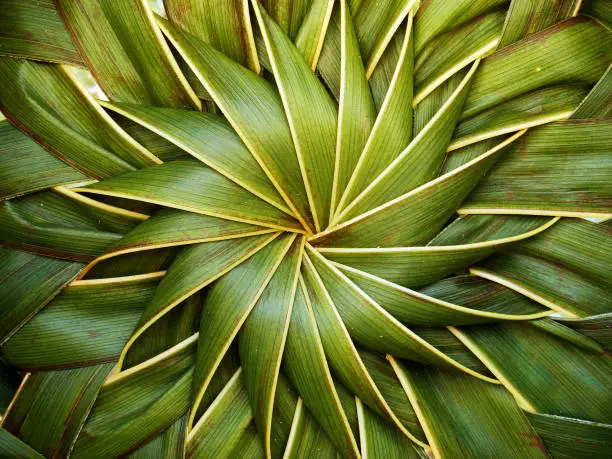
[
  {"x": 429, "y": 106},
  {"x": 580, "y": 376},
  {"x": 598, "y": 104},
  {"x": 463, "y": 416},
  {"x": 453, "y": 250},
  {"x": 126, "y": 53},
  {"x": 224, "y": 24},
  {"x": 356, "y": 112},
  {"x": 307, "y": 368},
  {"x": 54, "y": 225},
  {"x": 160, "y": 147},
  {"x": 438, "y": 16},
  {"x": 561, "y": 331},
  {"x": 33, "y": 29},
  {"x": 89, "y": 322},
  {"x": 343, "y": 357},
  {"x": 376, "y": 26},
  {"x": 578, "y": 244},
  {"x": 191, "y": 186},
  {"x": 174, "y": 327},
  {"x": 597, "y": 327},
  {"x": 532, "y": 109},
  {"x": 219, "y": 430},
  {"x": 577, "y": 50},
  {"x": 313, "y": 31},
  {"x": 170, "y": 443},
  {"x": 262, "y": 339},
  {"x": 381, "y": 439},
  {"x": 288, "y": 14},
  {"x": 390, "y": 387},
  {"x": 329, "y": 61},
  {"x": 460, "y": 300},
  {"x": 307, "y": 438},
  {"x": 228, "y": 304},
  {"x": 194, "y": 268},
  {"x": 26, "y": 167},
  {"x": 27, "y": 283},
  {"x": 51, "y": 407},
  {"x": 552, "y": 179},
  {"x": 298, "y": 87},
  {"x": 228, "y": 365},
  {"x": 453, "y": 50},
  {"x": 371, "y": 326},
  {"x": 418, "y": 163},
  {"x": 11, "y": 446},
  {"x": 138, "y": 404},
  {"x": 599, "y": 9},
  {"x": 285, "y": 406},
  {"x": 170, "y": 227},
  {"x": 447, "y": 343},
  {"x": 567, "y": 438},
  {"x": 392, "y": 130},
  {"x": 555, "y": 286},
  {"x": 257, "y": 117},
  {"x": 416, "y": 216},
  {"x": 210, "y": 139},
  {"x": 130, "y": 264},
  {"x": 47, "y": 103},
  {"x": 526, "y": 17}
]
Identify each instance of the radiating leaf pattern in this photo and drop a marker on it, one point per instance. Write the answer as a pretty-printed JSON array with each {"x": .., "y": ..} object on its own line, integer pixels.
[{"x": 306, "y": 229}]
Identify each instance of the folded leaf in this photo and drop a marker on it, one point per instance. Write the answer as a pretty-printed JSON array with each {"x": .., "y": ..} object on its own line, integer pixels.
[
  {"x": 260, "y": 122},
  {"x": 191, "y": 186},
  {"x": 298, "y": 87},
  {"x": 208, "y": 138},
  {"x": 227, "y": 306}
]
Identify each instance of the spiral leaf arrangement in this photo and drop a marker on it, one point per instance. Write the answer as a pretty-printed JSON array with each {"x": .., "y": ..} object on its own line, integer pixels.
[{"x": 305, "y": 228}]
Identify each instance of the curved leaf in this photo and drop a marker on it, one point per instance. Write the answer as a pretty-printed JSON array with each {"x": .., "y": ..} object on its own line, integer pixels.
[
  {"x": 463, "y": 249},
  {"x": 419, "y": 162},
  {"x": 419, "y": 213},
  {"x": 585, "y": 166},
  {"x": 392, "y": 130},
  {"x": 228, "y": 304},
  {"x": 261, "y": 122},
  {"x": 126, "y": 53},
  {"x": 298, "y": 87},
  {"x": 27, "y": 283},
  {"x": 211, "y": 260},
  {"x": 47, "y": 103},
  {"x": 306, "y": 366},
  {"x": 493, "y": 424},
  {"x": 89, "y": 322},
  {"x": 356, "y": 108},
  {"x": 263, "y": 336},
  {"x": 576, "y": 50},
  {"x": 191, "y": 186},
  {"x": 209, "y": 139},
  {"x": 581, "y": 376},
  {"x": 224, "y": 24},
  {"x": 26, "y": 167}
]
